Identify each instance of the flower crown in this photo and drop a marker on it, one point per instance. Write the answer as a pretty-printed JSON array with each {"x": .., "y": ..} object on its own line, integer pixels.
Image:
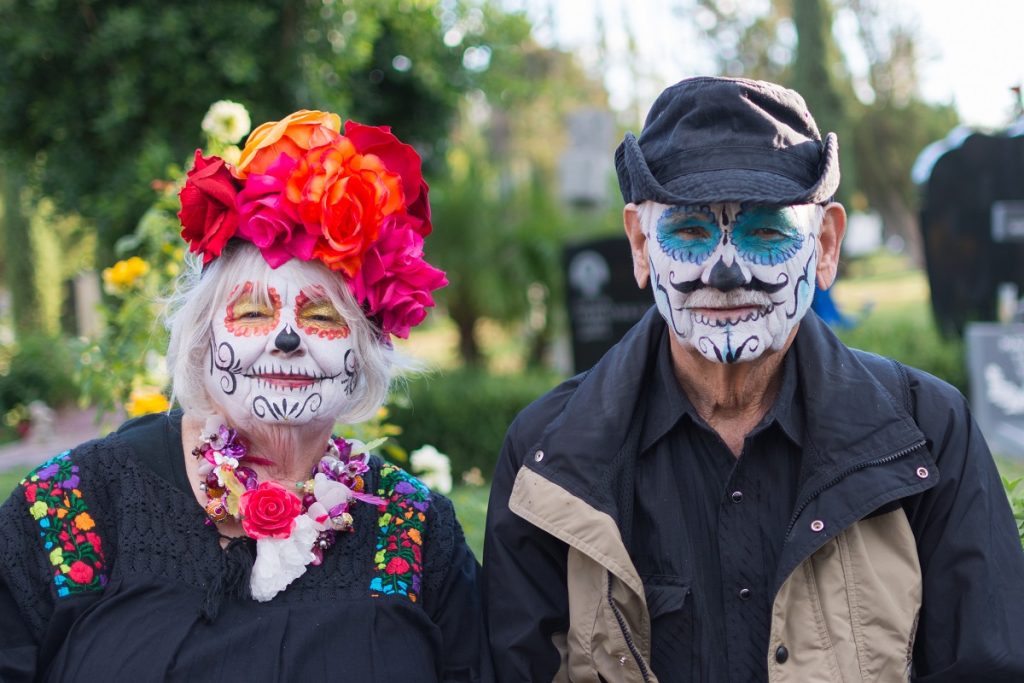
[{"x": 356, "y": 201}]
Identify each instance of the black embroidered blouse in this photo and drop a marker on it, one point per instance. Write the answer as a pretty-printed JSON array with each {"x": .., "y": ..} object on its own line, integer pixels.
[{"x": 108, "y": 572}]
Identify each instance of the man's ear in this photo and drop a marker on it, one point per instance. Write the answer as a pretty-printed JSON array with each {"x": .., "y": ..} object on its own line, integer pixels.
[
  {"x": 637, "y": 244},
  {"x": 830, "y": 239}
]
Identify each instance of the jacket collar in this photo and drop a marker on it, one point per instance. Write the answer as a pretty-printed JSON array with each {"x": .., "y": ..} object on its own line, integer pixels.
[{"x": 850, "y": 419}]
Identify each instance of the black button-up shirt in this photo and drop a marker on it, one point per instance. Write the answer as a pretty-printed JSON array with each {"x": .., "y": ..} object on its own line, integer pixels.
[{"x": 708, "y": 529}]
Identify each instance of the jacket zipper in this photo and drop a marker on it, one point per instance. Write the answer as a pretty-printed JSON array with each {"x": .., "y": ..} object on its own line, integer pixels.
[
  {"x": 845, "y": 473},
  {"x": 625, "y": 632}
]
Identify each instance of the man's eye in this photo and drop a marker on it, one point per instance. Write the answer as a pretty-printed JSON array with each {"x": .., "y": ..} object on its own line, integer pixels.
[
  {"x": 694, "y": 232},
  {"x": 247, "y": 311},
  {"x": 769, "y": 234}
]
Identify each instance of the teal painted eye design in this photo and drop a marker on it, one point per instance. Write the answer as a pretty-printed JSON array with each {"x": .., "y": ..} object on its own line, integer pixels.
[
  {"x": 688, "y": 235},
  {"x": 766, "y": 236}
]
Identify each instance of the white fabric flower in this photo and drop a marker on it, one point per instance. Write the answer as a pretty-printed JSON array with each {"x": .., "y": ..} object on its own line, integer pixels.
[
  {"x": 279, "y": 561},
  {"x": 433, "y": 468}
]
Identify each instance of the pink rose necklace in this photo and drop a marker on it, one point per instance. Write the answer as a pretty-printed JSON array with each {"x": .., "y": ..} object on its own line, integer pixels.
[{"x": 268, "y": 510}]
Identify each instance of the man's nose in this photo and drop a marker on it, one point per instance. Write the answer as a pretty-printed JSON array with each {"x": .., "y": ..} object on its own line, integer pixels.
[
  {"x": 726, "y": 278},
  {"x": 287, "y": 340}
]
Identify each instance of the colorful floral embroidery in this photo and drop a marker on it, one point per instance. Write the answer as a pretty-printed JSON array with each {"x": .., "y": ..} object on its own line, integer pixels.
[
  {"x": 399, "y": 558},
  {"x": 65, "y": 526}
]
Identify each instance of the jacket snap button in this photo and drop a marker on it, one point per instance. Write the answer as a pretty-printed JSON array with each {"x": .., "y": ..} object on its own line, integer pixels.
[
  {"x": 745, "y": 593},
  {"x": 781, "y": 654},
  {"x": 737, "y": 496},
  {"x": 538, "y": 456},
  {"x": 817, "y": 525},
  {"x": 922, "y": 472}
]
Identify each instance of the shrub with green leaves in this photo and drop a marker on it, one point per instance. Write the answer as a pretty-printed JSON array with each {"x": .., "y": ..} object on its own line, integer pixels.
[
  {"x": 38, "y": 367},
  {"x": 1015, "y": 492},
  {"x": 465, "y": 413}
]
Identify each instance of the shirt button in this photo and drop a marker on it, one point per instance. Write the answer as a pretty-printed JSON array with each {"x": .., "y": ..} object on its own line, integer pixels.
[
  {"x": 745, "y": 593},
  {"x": 737, "y": 496},
  {"x": 781, "y": 654}
]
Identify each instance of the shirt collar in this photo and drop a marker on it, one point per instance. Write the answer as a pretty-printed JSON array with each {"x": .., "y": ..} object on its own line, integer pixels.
[{"x": 667, "y": 402}]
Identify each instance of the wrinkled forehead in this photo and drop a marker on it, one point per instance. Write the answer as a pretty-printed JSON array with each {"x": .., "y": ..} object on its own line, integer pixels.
[{"x": 805, "y": 218}]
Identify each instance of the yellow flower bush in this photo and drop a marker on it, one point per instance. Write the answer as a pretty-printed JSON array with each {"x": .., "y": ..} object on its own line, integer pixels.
[
  {"x": 125, "y": 275},
  {"x": 145, "y": 401}
]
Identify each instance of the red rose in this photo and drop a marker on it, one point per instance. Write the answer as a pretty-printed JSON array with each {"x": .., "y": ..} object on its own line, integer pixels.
[
  {"x": 80, "y": 572},
  {"x": 208, "y": 215},
  {"x": 269, "y": 511}
]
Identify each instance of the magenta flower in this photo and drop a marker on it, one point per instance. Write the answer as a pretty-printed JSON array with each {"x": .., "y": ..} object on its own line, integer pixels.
[
  {"x": 267, "y": 219},
  {"x": 395, "y": 284}
]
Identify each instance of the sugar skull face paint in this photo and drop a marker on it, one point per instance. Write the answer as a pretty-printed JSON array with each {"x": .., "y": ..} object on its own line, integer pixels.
[
  {"x": 280, "y": 353},
  {"x": 732, "y": 280}
]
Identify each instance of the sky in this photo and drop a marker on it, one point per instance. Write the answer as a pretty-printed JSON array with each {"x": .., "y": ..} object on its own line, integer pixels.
[{"x": 972, "y": 52}]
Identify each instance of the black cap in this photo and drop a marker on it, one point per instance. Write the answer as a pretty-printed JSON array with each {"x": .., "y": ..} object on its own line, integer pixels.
[{"x": 728, "y": 140}]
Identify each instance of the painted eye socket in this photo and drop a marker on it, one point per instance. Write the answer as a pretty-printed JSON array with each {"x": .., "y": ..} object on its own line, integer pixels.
[
  {"x": 770, "y": 234},
  {"x": 250, "y": 310},
  {"x": 692, "y": 232}
]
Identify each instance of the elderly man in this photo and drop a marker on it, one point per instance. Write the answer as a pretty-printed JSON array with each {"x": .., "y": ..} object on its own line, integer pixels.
[{"x": 731, "y": 494}]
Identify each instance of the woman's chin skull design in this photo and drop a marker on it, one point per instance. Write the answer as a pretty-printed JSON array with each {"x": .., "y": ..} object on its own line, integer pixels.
[
  {"x": 280, "y": 354},
  {"x": 732, "y": 280}
]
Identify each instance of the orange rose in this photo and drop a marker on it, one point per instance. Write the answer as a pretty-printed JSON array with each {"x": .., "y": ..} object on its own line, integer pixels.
[
  {"x": 345, "y": 196},
  {"x": 293, "y": 135}
]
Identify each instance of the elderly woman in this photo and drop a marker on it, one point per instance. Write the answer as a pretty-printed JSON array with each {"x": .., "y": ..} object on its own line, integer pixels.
[{"x": 237, "y": 539}]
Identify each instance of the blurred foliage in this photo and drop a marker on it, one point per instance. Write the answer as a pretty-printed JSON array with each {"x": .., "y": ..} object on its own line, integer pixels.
[
  {"x": 1015, "y": 492},
  {"x": 105, "y": 96},
  {"x": 501, "y": 225},
  {"x": 882, "y": 122},
  {"x": 436, "y": 413},
  {"x": 36, "y": 368}
]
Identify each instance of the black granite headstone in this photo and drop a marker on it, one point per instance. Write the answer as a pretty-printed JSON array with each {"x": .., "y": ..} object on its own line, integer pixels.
[
  {"x": 972, "y": 222},
  {"x": 603, "y": 298}
]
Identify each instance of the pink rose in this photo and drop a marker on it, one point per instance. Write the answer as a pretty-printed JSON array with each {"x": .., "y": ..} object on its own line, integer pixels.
[
  {"x": 208, "y": 215},
  {"x": 268, "y": 220},
  {"x": 395, "y": 283},
  {"x": 269, "y": 511}
]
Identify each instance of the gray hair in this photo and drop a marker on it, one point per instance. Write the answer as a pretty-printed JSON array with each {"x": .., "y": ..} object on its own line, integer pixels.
[{"x": 200, "y": 295}]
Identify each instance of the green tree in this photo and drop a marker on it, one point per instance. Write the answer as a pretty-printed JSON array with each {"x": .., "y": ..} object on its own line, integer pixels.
[{"x": 500, "y": 225}]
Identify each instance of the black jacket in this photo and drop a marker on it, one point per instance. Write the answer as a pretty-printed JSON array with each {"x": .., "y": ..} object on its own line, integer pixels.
[{"x": 878, "y": 439}]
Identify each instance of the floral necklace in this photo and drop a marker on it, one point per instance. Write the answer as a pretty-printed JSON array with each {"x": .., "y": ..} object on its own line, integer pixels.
[{"x": 291, "y": 531}]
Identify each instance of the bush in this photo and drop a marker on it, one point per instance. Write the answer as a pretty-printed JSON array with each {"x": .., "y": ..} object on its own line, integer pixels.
[
  {"x": 40, "y": 368},
  {"x": 464, "y": 413},
  {"x": 908, "y": 334}
]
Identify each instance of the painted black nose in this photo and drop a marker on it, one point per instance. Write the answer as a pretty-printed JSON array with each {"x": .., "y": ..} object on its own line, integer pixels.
[
  {"x": 287, "y": 340},
  {"x": 726, "y": 278}
]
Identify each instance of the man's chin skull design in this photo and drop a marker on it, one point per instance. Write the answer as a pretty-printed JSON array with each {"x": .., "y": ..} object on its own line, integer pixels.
[
  {"x": 732, "y": 280},
  {"x": 280, "y": 353}
]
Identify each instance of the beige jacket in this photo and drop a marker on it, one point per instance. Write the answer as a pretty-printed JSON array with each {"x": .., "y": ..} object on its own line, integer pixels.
[{"x": 847, "y": 613}]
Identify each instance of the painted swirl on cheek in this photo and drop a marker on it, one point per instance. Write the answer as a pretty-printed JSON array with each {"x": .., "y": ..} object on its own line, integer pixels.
[{"x": 766, "y": 236}]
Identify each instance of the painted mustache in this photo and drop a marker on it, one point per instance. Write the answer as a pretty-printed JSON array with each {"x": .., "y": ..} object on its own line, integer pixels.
[{"x": 755, "y": 285}]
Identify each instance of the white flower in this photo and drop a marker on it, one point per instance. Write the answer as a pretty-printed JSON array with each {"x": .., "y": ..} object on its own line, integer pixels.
[
  {"x": 433, "y": 468},
  {"x": 226, "y": 121},
  {"x": 279, "y": 561}
]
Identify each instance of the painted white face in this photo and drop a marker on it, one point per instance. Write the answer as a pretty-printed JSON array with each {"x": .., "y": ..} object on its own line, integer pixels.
[
  {"x": 732, "y": 280},
  {"x": 280, "y": 358}
]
